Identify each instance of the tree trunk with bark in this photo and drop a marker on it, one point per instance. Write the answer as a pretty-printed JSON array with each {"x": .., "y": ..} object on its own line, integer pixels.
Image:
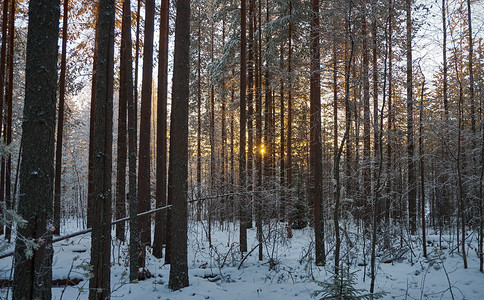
[
  {"x": 160, "y": 218},
  {"x": 243, "y": 123},
  {"x": 7, "y": 134},
  {"x": 60, "y": 124},
  {"x": 315, "y": 137},
  {"x": 99, "y": 285},
  {"x": 412, "y": 180},
  {"x": 178, "y": 168},
  {"x": 120, "y": 197},
  {"x": 3, "y": 58},
  {"x": 144, "y": 186},
  {"x": 126, "y": 89},
  {"x": 33, "y": 273}
]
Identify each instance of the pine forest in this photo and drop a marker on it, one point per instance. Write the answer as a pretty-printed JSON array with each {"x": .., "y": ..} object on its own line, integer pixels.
[{"x": 239, "y": 149}]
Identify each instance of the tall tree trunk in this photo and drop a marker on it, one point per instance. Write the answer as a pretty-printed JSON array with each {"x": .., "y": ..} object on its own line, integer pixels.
[
  {"x": 481, "y": 194},
  {"x": 378, "y": 127},
  {"x": 422, "y": 171},
  {"x": 243, "y": 121},
  {"x": 337, "y": 159},
  {"x": 283, "y": 206},
  {"x": 315, "y": 136},
  {"x": 212, "y": 118},
  {"x": 338, "y": 152},
  {"x": 60, "y": 124},
  {"x": 335, "y": 98},
  {"x": 471, "y": 71},
  {"x": 259, "y": 146},
  {"x": 33, "y": 273},
  {"x": 178, "y": 171},
  {"x": 461, "y": 195},
  {"x": 390, "y": 170},
  {"x": 3, "y": 59},
  {"x": 199, "y": 117},
  {"x": 126, "y": 86},
  {"x": 268, "y": 107},
  {"x": 120, "y": 197},
  {"x": 445, "y": 201},
  {"x": 348, "y": 105},
  {"x": 90, "y": 173},
  {"x": 160, "y": 218},
  {"x": 8, "y": 129},
  {"x": 412, "y": 180},
  {"x": 366, "y": 118},
  {"x": 444, "y": 61},
  {"x": 252, "y": 82},
  {"x": 460, "y": 184},
  {"x": 376, "y": 139},
  {"x": 232, "y": 154},
  {"x": 289, "y": 119},
  {"x": 136, "y": 60},
  {"x": 144, "y": 178},
  {"x": 213, "y": 169},
  {"x": 223, "y": 113},
  {"x": 99, "y": 285}
]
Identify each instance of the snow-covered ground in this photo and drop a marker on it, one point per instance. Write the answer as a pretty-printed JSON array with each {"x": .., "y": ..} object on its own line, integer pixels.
[{"x": 214, "y": 273}]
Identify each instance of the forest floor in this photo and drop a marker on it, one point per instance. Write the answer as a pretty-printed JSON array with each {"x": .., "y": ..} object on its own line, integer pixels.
[{"x": 287, "y": 270}]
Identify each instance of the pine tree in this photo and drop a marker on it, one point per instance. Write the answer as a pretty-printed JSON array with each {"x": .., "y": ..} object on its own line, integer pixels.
[
  {"x": 60, "y": 123},
  {"x": 160, "y": 219},
  {"x": 33, "y": 265},
  {"x": 99, "y": 285},
  {"x": 178, "y": 169}
]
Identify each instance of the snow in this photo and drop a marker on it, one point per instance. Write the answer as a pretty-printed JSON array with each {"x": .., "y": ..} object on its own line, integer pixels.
[{"x": 214, "y": 272}]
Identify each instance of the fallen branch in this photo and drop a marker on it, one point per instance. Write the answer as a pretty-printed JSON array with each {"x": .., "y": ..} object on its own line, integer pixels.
[
  {"x": 247, "y": 255},
  {"x": 65, "y": 237}
]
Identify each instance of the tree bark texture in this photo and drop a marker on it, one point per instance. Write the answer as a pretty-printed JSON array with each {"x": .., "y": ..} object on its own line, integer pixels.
[
  {"x": 178, "y": 168},
  {"x": 33, "y": 268},
  {"x": 99, "y": 285}
]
